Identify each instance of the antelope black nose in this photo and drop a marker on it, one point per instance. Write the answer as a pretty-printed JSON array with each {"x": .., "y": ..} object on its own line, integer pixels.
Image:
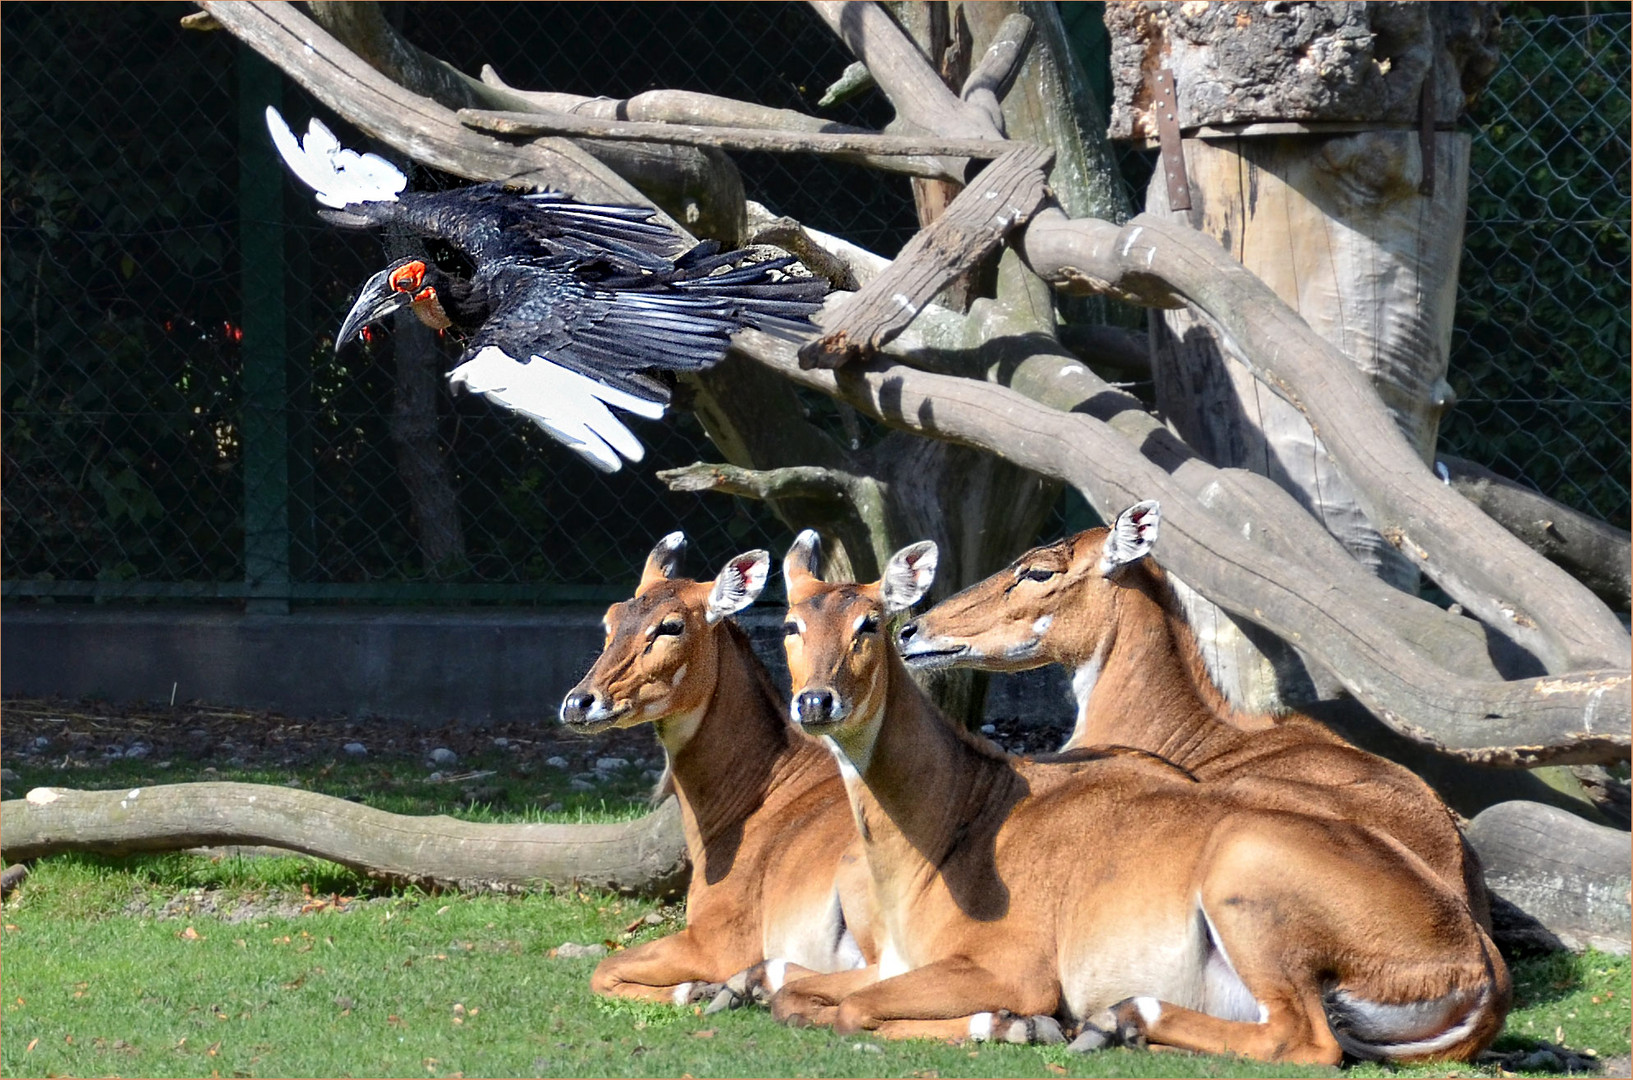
[
  {"x": 576, "y": 706},
  {"x": 905, "y": 634},
  {"x": 816, "y": 706}
]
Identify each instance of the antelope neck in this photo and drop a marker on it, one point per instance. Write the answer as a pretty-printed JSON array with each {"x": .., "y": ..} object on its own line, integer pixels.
[
  {"x": 1147, "y": 689},
  {"x": 741, "y": 746},
  {"x": 925, "y": 781}
]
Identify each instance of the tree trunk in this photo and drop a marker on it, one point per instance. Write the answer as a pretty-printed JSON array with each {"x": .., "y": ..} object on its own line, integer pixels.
[
  {"x": 1356, "y": 231},
  {"x": 646, "y": 857},
  {"x": 420, "y": 462}
]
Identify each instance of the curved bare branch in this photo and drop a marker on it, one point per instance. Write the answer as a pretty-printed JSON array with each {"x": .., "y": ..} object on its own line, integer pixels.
[
  {"x": 1586, "y": 716},
  {"x": 1160, "y": 263}
]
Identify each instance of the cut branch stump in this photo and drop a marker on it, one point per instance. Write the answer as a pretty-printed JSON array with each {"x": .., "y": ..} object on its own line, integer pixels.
[{"x": 1005, "y": 195}]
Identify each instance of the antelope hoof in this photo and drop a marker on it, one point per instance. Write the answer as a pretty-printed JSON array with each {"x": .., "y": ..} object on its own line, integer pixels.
[
  {"x": 702, "y": 991},
  {"x": 727, "y": 998},
  {"x": 1090, "y": 1039},
  {"x": 1126, "y": 1020},
  {"x": 1027, "y": 1030},
  {"x": 753, "y": 984}
]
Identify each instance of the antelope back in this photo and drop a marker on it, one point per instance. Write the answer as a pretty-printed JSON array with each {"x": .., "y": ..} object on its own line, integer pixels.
[
  {"x": 662, "y": 650},
  {"x": 1055, "y": 604}
]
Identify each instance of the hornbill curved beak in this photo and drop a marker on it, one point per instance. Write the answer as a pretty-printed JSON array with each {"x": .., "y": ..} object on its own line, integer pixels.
[{"x": 377, "y": 300}]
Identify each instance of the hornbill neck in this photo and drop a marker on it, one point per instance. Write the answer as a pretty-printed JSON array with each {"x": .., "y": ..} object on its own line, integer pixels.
[{"x": 454, "y": 302}]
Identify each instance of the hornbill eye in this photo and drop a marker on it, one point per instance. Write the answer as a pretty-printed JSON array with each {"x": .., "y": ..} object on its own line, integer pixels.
[{"x": 409, "y": 277}]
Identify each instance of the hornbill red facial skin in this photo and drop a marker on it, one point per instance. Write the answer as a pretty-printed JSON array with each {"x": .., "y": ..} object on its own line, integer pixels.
[{"x": 569, "y": 308}]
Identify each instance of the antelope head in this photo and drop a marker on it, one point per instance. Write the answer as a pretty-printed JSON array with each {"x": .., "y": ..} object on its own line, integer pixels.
[
  {"x": 838, "y": 650},
  {"x": 661, "y": 657},
  {"x": 1054, "y": 604}
]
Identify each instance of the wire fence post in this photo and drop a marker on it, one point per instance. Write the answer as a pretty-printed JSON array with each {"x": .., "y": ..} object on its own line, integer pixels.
[{"x": 265, "y": 402}]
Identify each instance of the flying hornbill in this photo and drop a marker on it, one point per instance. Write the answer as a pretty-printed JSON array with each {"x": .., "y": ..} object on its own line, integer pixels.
[{"x": 569, "y": 307}]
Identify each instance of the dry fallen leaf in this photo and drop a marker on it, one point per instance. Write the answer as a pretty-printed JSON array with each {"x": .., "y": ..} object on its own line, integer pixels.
[
  {"x": 32, "y": 1043},
  {"x": 190, "y": 934},
  {"x": 706, "y": 1033}
]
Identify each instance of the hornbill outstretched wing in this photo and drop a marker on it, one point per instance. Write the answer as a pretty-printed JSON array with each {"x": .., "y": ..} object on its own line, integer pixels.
[{"x": 570, "y": 307}]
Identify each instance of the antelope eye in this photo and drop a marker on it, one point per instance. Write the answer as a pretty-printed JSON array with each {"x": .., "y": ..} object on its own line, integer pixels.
[
  {"x": 1037, "y": 573},
  {"x": 790, "y": 628},
  {"x": 868, "y": 625},
  {"x": 671, "y": 626}
]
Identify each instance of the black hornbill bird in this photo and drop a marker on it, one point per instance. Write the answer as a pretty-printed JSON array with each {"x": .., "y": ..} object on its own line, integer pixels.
[{"x": 569, "y": 307}]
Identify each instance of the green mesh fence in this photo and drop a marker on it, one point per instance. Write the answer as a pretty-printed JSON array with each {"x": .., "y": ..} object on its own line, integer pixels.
[
  {"x": 1540, "y": 351},
  {"x": 175, "y": 422}
]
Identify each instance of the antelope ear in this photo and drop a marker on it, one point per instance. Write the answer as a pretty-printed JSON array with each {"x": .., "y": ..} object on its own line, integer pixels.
[
  {"x": 740, "y": 582},
  {"x": 664, "y": 562},
  {"x": 803, "y": 561},
  {"x": 1131, "y": 536},
  {"x": 908, "y": 576}
]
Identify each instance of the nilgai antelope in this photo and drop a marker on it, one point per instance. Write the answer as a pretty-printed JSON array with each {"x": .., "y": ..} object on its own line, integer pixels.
[
  {"x": 1110, "y": 889},
  {"x": 1098, "y": 605},
  {"x": 767, "y": 823}
]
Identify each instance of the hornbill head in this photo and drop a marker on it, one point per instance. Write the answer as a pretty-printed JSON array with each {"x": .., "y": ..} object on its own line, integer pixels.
[{"x": 411, "y": 282}]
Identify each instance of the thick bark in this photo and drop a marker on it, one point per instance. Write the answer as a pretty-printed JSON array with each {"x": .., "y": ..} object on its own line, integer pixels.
[
  {"x": 1241, "y": 63},
  {"x": 646, "y": 856}
]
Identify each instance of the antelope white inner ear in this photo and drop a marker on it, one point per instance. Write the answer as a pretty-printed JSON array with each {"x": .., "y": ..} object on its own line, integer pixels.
[
  {"x": 738, "y": 585},
  {"x": 1131, "y": 535},
  {"x": 908, "y": 576}
]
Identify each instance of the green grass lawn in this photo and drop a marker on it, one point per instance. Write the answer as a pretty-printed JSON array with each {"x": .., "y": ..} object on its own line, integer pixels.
[{"x": 186, "y": 965}]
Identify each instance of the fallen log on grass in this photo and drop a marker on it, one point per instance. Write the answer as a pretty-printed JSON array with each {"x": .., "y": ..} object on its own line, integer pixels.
[
  {"x": 644, "y": 857},
  {"x": 1568, "y": 874}
]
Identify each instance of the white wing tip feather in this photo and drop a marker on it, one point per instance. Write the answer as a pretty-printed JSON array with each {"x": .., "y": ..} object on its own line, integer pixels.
[
  {"x": 571, "y": 407},
  {"x": 338, "y": 176}
]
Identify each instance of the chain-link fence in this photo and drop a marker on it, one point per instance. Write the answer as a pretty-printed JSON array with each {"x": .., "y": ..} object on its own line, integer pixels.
[
  {"x": 177, "y": 423},
  {"x": 1540, "y": 352}
]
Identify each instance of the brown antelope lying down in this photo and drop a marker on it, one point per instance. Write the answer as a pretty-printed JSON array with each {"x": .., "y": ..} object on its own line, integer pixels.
[
  {"x": 765, "y": 813},
  {"x": 1098, "y": 605},
  {"x": 1114, "y": 888}
]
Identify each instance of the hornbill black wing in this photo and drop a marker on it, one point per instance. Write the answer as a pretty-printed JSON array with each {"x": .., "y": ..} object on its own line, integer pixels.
[
  {"x": 562, "y": 342},
  {"x": 483, "y": 222}
]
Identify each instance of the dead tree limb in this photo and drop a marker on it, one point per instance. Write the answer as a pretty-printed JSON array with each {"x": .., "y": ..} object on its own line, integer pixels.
[
  {"x": 698, "y": 185},
  {"x": 1477, "y": 562},
  {"x": 1581, "y": 717},
  {"x": 416, "y": 125},
  {"x": 1474, "y": 559},
  {"x": 1596, "y": 553},
  {"x": 851, "y": 144},
  {"x": 1569, "y": 874},
  {"x": 646, "y": 856},
  {"x": 1006, "y": 194},
  {"x": 711, "y": 110}
]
